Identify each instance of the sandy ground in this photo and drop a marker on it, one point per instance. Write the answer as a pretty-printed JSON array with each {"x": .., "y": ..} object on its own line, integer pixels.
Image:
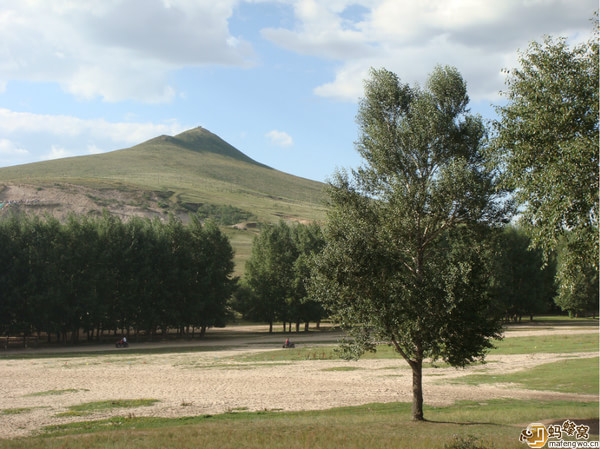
[{"x": 214, "y": 382}]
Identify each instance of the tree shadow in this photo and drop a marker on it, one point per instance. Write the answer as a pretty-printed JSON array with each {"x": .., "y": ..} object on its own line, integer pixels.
[{"x": 432, "y": 421}]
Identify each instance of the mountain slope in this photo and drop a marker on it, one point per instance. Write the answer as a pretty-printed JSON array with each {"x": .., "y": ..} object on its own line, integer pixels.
[
  {"x": 202, "y": 141},
  {"x": 196, "y": 166},
  {"x": 195, "y": 171}
]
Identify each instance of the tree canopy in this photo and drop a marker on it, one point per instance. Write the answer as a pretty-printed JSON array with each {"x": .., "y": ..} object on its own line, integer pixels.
[
  {"x": 523, "y": 283},
  {"x": 407, "y": 256},
  {"x": 546, "y": 144},
  {"x": 101, "y": 274},
  {"x": 276, "y": 275}
]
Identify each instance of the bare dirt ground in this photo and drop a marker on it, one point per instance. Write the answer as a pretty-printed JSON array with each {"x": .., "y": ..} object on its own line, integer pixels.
[
  {"x": 60, "y": 200},
  {"x": 209, "y": 382}
]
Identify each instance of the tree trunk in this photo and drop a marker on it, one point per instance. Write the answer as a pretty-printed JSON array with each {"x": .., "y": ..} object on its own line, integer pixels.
[
  {"x": 270, "y": 327},
  {"x": 417, "y": 404}
]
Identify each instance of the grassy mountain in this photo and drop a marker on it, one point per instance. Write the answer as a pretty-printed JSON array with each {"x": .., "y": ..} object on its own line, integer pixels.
[{"x": 195, "y": 171}]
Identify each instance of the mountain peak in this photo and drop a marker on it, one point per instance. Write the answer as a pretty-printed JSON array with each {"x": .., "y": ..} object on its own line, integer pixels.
[{"x": 201, "y": 140}]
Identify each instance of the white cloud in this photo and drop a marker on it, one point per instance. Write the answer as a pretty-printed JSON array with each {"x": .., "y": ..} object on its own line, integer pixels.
[
  {"x": 9, "y": 148},
  {"x": 479, "y": 37},
  {"x": 93, "y": 149},
  {"x": 70, "y": 136},
  {"x": 12, "y": 153},
  {"x": 68, "y": 126},
  {"x": 322, "y": 31},
  {"x": 56, "y": 152},
  {"x": 118, "y": 49},
  {"x": 279, "y": 138}
]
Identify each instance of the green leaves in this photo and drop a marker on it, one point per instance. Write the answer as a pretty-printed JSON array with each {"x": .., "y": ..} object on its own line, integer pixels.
[
  {"x": 405, "y": 259},
  {"x": 101, "y": 273},
  {"x": 546, "y": 143},
  {"x": 277, "y": 272}
]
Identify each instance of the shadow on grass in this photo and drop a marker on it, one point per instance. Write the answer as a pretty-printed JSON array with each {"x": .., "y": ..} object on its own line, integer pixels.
[{"x": 466, "y": 424}]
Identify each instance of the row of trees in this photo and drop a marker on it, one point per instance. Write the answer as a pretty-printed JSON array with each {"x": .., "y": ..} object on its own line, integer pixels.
[
  {"x": 274, "y": 287},
  {"x": 101, "y": 274},
  {"x": 277, "y": 275}
]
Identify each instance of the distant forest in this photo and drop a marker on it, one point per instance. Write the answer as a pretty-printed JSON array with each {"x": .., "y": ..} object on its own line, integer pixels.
[{"x": 97, "y": 274}]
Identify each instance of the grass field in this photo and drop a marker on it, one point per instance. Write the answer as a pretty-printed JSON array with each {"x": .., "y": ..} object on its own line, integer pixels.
[
  {"x": 514, "y": 345},
  {"x": 571, "y": 376},
  {"x": 488, "y": 423},
  {"x": 495, "y": 423}
]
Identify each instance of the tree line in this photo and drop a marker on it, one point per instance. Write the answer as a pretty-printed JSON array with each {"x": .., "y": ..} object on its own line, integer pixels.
[
  {"x": 97, "y": 274},
  {"x": 274, "y": 288}
]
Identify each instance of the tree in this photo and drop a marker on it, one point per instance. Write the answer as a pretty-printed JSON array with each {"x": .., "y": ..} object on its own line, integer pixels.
[
  {"x": 524, "y": 284},
  {"x": 269, "y": 272},
  {"x": 579, "y": 293},
  {"x": 406, "y": 258},
  {"x": 213, "y": 284},
  {"x": 277, "y": 274},
  {"x": 547, "y": 144},
  {"x": 309, "y": 241}
]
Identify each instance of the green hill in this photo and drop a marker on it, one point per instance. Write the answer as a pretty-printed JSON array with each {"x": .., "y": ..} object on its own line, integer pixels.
[{"x": 195, "y": 171}]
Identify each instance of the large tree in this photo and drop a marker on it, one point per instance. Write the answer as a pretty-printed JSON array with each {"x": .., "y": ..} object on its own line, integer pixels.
[
  {"x": 546, "y": 143},
  {"x": 406, "y": 259}
]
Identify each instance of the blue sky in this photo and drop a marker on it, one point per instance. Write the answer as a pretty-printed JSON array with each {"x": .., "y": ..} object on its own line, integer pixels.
[{"x": 278, "y": 79}]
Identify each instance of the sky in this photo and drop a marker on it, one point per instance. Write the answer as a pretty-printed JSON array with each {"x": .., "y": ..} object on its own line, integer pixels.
[{"x": 278, "y": 79}]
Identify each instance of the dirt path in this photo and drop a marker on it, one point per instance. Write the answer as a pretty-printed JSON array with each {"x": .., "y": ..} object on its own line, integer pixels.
[{"x": 211, "y": 382}]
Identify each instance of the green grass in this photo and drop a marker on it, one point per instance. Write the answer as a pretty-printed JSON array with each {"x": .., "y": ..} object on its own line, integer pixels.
[
  {"x": 547, "y": 344},
  {"x": 342, "y": 368},
  {"x": 56, "y": 392},
  {"x": 15, "y": 411},
  {"x": 567, "y": 376},
  {"x": 513, "y": 345},
  {"x": 91, "y": 407},
  {"x": 494, "y": 423},
  {"x": 561, "y": 320}
]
